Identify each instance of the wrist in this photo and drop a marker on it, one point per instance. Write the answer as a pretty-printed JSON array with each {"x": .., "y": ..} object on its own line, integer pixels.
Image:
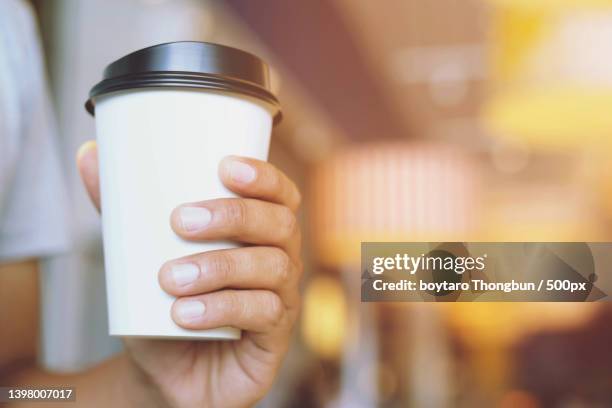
[{"x": 136, "y": 388}]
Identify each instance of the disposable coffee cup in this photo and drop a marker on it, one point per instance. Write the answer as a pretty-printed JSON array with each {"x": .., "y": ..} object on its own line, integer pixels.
[{"x": 165, "y": 117}]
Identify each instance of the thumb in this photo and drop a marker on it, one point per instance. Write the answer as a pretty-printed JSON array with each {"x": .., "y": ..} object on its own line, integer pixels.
[{"x": 87, "y": 163}]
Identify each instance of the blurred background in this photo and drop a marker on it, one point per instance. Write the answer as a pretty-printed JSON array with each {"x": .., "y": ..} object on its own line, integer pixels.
[{"x": 405, "y": 120}]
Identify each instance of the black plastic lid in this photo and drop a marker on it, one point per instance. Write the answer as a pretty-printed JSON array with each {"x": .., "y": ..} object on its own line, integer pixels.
[{"x": 189, "y": 64}]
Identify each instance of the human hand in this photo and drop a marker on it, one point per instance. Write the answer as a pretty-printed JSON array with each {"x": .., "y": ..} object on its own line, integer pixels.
[{"x": 253, "y": 288}]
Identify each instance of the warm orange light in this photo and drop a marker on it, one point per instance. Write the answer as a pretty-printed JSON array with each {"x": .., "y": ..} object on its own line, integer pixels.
[
  {"x": 324, "y": 316},
  {"x": 391, "y": 192}
]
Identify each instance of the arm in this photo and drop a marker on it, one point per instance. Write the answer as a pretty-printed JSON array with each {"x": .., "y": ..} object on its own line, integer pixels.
[
  {"x": 18, "y": 296},
  {"x": 19, "y": 320}
]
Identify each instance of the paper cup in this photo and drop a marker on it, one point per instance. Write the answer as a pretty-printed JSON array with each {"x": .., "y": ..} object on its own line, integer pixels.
[{"x": 160, "y": 146}]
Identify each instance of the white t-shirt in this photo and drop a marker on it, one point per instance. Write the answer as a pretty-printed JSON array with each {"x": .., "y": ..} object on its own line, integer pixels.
[{"x": 33, "y": 200}]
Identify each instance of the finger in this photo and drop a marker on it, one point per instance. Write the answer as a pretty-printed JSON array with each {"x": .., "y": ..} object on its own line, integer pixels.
[
  {"x": 253, "y": 310},
  {"x": 237, "y": 219},
  {"x": 241, "y": 268},
  {"x": 258, "y": 179},
  {"x": 87, "y": 163}
]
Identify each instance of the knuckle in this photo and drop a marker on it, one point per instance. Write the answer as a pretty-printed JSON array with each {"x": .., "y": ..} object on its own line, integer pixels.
[
  {"x": 282, "y": 265},
  {"x": 298, "y": 196},
  {"x": 236, "y": 212},
  {"x": 275, "y": 308},
  {"x": 275, "y": 181},
  {"x": 222, "y": 266},
  {"x": 231, "y": 305},
  {"x": 288, "y": 223}
]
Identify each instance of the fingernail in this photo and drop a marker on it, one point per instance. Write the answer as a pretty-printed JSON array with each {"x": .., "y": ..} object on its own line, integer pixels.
[
  {"x": 85, "y": 147},
  {"x": 241, "y": 172},
  {"x": 194, "y": 218},
  {"x": 184, "y": 274},
  {"x": 190, "y": 310}
]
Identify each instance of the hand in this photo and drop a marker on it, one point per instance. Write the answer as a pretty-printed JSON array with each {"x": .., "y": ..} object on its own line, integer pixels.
[{"x": 253, "y": 288}]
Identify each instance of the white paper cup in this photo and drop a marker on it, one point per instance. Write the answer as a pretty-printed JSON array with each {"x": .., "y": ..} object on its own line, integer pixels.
[{"x": 160, "y": 147}]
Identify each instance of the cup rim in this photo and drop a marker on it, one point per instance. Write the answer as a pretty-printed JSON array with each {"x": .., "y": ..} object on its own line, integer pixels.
[{"x": 190, "y": 65}]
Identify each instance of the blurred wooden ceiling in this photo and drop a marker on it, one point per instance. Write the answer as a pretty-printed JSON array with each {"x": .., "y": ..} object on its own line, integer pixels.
[{"x": 381, "y": 69}]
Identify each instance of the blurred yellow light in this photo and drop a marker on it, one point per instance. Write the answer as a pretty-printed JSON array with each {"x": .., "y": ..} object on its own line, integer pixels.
[
  {"x": 514, "y": 33},
  {"x": 505, "y": 323},
  {"x": 548, "y": 116},
  {"x": 550, "y": 72},
  {"x": 551, "y": 4},
  {"x": 601, "y": 183},
  {"x": 324, "y": 316}
]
